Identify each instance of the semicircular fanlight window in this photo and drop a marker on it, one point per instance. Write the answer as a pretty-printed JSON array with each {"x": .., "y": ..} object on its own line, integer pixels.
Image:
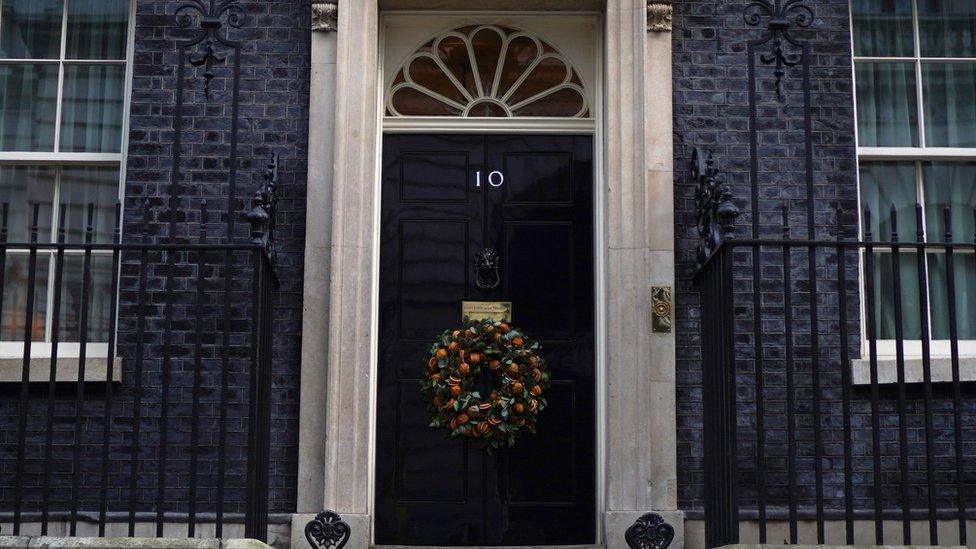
[{"x": 487, "y": 71}]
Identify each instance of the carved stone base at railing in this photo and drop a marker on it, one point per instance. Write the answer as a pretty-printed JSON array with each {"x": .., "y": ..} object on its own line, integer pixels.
[
  {"x": 650, "y": 532},
  {"x": 327, "y": 531}
]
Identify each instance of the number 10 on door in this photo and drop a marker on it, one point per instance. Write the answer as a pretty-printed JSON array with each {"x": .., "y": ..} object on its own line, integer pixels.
[{"x": 495, "y": 179}]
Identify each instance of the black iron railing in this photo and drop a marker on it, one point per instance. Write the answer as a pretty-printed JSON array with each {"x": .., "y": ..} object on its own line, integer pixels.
[
  {"x": 832, "y": 384},
  {"x": 143, "y": 384}
]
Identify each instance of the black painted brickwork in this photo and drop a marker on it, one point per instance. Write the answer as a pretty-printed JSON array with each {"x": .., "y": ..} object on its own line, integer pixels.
[
  {"x": 273, "y": 116},
  {"x": 274, "y": 98},
  {"x": 712, "y": 109}
]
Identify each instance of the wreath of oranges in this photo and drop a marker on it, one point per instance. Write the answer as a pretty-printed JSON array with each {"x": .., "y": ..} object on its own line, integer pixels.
[{"x": 454, "y": 374}]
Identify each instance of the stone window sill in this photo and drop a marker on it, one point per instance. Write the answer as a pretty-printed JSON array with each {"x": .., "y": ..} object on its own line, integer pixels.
[
  {"x": 888, "y": 370},
  {"x": 96, "y": 369}
]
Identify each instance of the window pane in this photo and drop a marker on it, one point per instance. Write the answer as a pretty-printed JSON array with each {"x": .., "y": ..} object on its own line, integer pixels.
[
  {"x": 81, "y": 186},
  {"x": 97, "y": 29},
  {"x": 91, "y": 117},
  {"x": 15, "y": 317},
  {"x": 951, "y": 184},
  {"x": 964, "y": 273},
  {"x": 887, "y": 114},
  {"x": 883, "y": 28},
  {"x": 883, "y": 185},
  {"x": 947, "y": 28},
  {"x": 887, "y": 184},
  {"x": 21, "y": 187},
  {"x": 28, "y": 98},
  {"x": 950, "y": 104},
  {"x": 885, "y": 295},
  {"x": 99, "y": 298},
  {"x": 30, "y": 29}
]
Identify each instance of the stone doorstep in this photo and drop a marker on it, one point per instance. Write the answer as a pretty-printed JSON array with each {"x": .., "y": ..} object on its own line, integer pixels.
[
  {"x": 11, "y": 542},
  {"x": 780, "y": 546}
]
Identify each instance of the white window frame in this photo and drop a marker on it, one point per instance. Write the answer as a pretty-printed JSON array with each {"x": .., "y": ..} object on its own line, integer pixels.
[
  {"x": 887, "y": 348},
  {"x": 11, "y": 352}
]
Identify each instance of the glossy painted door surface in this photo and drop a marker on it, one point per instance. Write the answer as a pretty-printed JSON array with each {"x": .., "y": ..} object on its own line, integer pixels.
[{"x": 431, "y": 490}]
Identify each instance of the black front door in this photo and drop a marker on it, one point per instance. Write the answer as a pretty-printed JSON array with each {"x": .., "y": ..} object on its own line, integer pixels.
[{"x": 445, "y": 198}]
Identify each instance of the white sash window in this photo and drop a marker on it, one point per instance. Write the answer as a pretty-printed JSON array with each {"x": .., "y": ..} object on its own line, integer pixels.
[
  {"x": 64, "y": 73},
  {"x": 915, "y": 74}
]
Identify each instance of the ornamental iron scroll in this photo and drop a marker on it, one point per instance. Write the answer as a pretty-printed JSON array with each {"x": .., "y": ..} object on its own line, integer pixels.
[
  {"x": 486, "y": 266},
  {"x": 649, "y": 532},
  {"x": 714, "y": 206},
  {"x": 782, "y": 16},
  {"x": 264, "y": 209},
  {"x": 213, "y": 17},
  {"x": 327, "y": 531}
]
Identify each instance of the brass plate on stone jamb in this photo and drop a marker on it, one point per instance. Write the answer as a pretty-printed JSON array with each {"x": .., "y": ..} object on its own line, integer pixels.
[
  {"x": 500, "y": 311},
  {"x": 661, "y": 306}
]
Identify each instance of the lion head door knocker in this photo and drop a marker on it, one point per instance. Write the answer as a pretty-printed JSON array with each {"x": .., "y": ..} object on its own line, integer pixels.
[
  {"x": 327, "y": 531},
  {"x": 649, "y": 532},
  {"x": 486, "y": 266}
]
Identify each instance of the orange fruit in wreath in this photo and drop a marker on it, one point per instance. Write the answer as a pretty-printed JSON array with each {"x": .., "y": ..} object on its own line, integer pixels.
[
  {"x": 475, "y": 358},
  {"x": 517, "y": 341},
  {"x": 450, "y": 404},
  {"x": 518, "y": 408},
  {"x": 517, "y": 388},
  {"x": 503, "y": 328},
  {"x": 536, "y": 374},
  {"x": 441, "y": 354},
  {"x": 435, "y": 377},
  {"x": 455, "y": 390},
  {"x": 456, "y": 335},
  {"x": 536, "y": 391},
  {"x": 468, "y": 333},
  {"x": 494, "y": 420},
  {"x": 484, "y": 406},
  {"x": 463, "y": 418},
  {"x": 496, "y": 337},
  {"x": 453, "y": 346},
  {"x": 483, "y": 428},
  {"x": 464, "y": 369},
  {"x": 533, "y": 405},
  {"x": 494, "y": 365},
  {"x": 513, "y": 370},
  {"x": 454, "y": 424},
  {"x": 533, "y": 360}
]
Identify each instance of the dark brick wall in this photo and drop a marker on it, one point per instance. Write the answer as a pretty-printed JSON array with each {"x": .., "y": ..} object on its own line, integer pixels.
[
  {"x": 713, "y": 110},
  {"x": 274, "y": 96}
]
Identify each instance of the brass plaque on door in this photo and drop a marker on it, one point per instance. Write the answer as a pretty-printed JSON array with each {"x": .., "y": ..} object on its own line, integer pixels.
[{"x": 493, "y": 310}]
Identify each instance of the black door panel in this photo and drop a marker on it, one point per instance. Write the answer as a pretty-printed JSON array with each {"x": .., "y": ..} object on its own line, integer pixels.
[{"x": 431, "y": 490}]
